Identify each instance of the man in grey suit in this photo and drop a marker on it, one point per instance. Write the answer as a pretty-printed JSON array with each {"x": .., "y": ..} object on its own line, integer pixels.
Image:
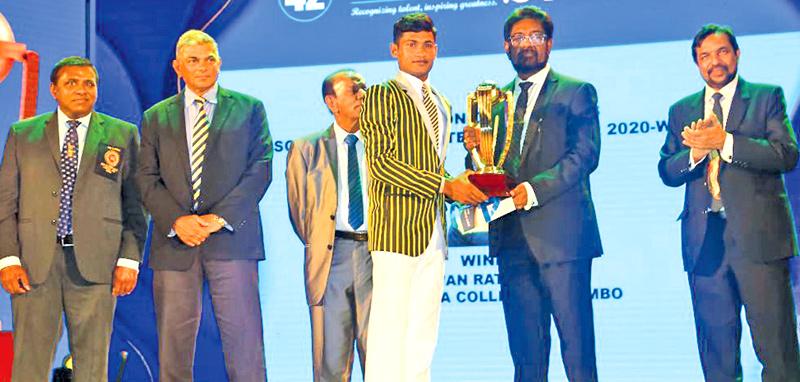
[
  {"x": 206, "y": 163},
  {"x": 71, "y": 226},
  {"x": 730, "y": 144},
  {"x": 326, "y": 184}
]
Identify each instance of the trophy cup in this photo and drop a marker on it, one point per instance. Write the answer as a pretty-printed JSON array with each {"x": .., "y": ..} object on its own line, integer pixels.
[{"x": 490, "y": 177}]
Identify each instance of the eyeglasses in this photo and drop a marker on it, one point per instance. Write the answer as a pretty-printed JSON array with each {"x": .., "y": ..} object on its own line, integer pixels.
[
  {"x": 359, "y": 86},
  {"x": 535, "y": 39}
]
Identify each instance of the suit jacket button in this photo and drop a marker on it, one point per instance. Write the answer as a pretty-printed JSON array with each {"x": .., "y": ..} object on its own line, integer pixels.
[
  {"x": 333, "y": 217},
  {"x": 54, "y": 193},
  {"x": 53, "y": 222},
  {"x": 330, "y": 246}
]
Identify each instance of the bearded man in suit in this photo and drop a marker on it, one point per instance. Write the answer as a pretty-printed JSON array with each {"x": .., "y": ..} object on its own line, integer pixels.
[{"x": 545, "y": 248}]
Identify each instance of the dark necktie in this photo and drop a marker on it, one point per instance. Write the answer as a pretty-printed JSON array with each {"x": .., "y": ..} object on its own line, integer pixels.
[
  {"x": 198, "y": 154},
  {"x": 713, "y": 164},
  {"x": 69, "y": 171},
  {"x": 356, "y": 206},
  {"x": 519, "y": 122}
]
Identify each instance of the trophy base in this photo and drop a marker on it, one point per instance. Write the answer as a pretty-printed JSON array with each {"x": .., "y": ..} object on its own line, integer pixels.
[{"x": 492, "y": 184}]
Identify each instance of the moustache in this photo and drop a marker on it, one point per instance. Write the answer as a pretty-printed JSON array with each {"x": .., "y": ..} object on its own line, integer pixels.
[{"x": 721, "y": 67}]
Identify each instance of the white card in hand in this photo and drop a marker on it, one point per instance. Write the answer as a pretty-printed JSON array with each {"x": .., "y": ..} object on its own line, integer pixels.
[{"x": 505, "y": 207}]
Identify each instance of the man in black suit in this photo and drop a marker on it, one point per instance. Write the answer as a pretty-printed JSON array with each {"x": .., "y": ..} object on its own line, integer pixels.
[
  {"x": 205, "y": 165},
  {"x": 729, "y": 144},
  {"x": 545, "y": 248}
]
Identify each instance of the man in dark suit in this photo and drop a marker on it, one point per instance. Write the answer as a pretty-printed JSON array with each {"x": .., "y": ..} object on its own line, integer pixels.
[
  {"x": 71, "y": 226},
  {"x": 326, "y": 186},
  {"x": 545, "y": 248},
  {"x": 205, "y": 165},
  {"x": 729, "y": 144}
]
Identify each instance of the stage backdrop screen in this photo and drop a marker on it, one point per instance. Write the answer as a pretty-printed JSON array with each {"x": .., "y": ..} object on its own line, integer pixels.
[{"x": 638, "y": 57}]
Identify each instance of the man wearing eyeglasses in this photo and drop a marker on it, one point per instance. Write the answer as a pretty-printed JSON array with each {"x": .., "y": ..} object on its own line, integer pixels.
[
  {"x": 326, "y": 186},
  {"x": 545, "y": 248}
]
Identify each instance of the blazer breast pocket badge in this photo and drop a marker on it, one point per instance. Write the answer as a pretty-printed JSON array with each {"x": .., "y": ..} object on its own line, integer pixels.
[{"x": 109, "y": 162}]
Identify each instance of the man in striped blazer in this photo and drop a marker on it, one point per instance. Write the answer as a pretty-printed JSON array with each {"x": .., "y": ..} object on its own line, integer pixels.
[{"x": 405, "y": 124}]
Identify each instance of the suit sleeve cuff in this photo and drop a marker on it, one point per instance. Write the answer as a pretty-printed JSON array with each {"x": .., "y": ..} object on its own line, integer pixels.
[
  {"x": 726, "y": 153},
  {"x": 225, "y": 224},
  {"x": 128, "y": 263},
  {"x": 532, "y": 201},
  {"x": 692, "y": 163},
  {"x": 9, "y": 261}
]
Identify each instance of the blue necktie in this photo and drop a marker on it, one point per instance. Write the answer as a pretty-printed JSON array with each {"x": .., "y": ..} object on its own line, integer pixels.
[
  {"x": 69, "y": 171},
  {"x": 356, "y": 205}
]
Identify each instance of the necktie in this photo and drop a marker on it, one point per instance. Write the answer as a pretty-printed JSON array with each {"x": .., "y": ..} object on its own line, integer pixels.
[
  {"x": 199, "y": 138},
  {"x": 69, "y": 171},
  {"x": 713, "y": 164},
  {"x": 356, "y": 206},
  {"x": 514, "y": 154},
  {"x": 433, "y": 111}
]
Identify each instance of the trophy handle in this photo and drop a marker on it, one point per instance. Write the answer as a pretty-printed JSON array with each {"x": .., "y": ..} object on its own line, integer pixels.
[
  {"x": 509, "y": 98},
  {"x": 476, "y": 158}
]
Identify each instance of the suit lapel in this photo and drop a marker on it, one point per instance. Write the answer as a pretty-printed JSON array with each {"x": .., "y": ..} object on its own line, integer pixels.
[
  {"x": 177, "y": 125},
  {"x": 51, "y": 131},
  {"x": 446, "y": 132},
  {"x": 329, "y": 142},
  {"x": 221, "y": 113},
  {"x": 741, "y": 98},
  {"x": 95, "y": 135},
  {"x": 538, "y": 113},
  {"x": 696, "y": 108},
  {"x": 420, "y": 109}
]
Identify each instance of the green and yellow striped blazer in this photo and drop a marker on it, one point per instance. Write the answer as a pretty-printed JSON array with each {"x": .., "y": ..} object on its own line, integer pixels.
[{"x": 405, "y": 169}]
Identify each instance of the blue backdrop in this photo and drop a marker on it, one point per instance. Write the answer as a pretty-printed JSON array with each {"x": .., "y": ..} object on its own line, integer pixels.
[{"x": 637, "y": 55}]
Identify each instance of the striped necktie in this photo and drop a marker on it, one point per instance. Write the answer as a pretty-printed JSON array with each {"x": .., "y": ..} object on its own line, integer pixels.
[
  {"x": 713, "y": 164},
  {"x": 433, "y": 112},
  {"x": 199, "y": 138}
]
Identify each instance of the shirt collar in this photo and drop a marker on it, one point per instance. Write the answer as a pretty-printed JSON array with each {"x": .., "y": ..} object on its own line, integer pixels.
[
  {"x": 210, "y": 96},
  {"x": 415, "y": 82},
  {"x": 341, "y": 134},
  {"x": 537, "y": 79},
  {"x": 727, "y": 91},
  {"x": 63, "y": 118}
]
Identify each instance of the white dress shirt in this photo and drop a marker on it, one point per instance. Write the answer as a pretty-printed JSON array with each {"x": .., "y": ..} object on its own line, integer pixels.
[
  {"x": 190, "y": 112},
  {"x": 533, "y": 94},
  {"x": 82, "y": 129},
  {"x": 343, "y": 186},
  {"x": 727, "y": 91}
]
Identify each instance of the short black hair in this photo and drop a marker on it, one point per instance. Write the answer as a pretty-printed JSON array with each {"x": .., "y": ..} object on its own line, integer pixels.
[
  {"x": 528, "y": 12},
  {"x": 327, "y": 83},
  {"x": 413, "y": 22},
  {"x": 71, "y": 61},
  {"x": 708, "y": 30}
]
